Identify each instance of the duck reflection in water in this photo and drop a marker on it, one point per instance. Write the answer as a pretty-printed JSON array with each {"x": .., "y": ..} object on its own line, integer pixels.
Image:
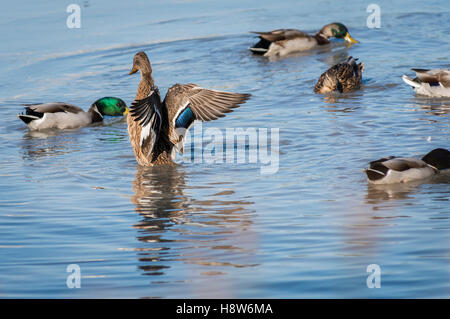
[
  {"x": 381, "y": 193},
  {"x": 40, "y": 144},
  {"x": 204, "y": 238}
]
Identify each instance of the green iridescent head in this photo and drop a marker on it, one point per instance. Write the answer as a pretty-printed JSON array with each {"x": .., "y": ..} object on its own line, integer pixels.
[
  {"x": 111, "y": 106},
  {"x": 337, "y": 30}
]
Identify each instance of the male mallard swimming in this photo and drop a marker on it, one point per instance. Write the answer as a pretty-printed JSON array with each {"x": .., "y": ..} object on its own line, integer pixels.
[
  {"x": 58, "y": 115},
  {"x": 342, "y": 77},
  {"x": 390, "y": 170},
  {"x": 284, "y": 41},
  {"x": 157, "y": 128},
  {"x": 434, "y": 83}
]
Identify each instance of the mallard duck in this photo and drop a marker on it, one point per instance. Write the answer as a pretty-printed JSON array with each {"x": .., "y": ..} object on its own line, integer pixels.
[
  {"x": 156, "y": 129},
  {"x": 342, "y": 77},
  {"x": 434, "y": 83},
  {"x": 59, "y": 115},
  {"x": 390, "y": 170},
  {"x": 285, "y": 41}
]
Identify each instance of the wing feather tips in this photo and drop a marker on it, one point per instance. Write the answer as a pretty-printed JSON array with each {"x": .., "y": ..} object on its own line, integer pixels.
[
  {"x": 209, "y": 105},
  {"x": 147, "y": 113},
  {"x": 139, "y": 107},
  {"x": 144, "y": 110}
]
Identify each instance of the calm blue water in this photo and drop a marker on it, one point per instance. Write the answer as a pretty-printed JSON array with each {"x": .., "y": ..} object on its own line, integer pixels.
[{"x": 222, "y": 230}]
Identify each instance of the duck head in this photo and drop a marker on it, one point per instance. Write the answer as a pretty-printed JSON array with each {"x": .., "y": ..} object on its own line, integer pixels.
[
  {"x": 111, "y": 106},
  {"x": 141, "y": 63},
  {"x": 337, "y": 30}
]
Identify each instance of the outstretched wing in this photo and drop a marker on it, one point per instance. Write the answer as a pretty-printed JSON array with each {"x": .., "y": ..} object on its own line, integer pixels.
[
  {"x": 189, "y": 102},
  {"x": 281, "y": 34},
  {"x": 54, "y": 107},
  {"x": 147, "y": 112}
]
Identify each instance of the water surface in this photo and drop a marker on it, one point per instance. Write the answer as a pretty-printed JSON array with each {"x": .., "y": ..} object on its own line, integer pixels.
[{"x": 222, "y": 230}]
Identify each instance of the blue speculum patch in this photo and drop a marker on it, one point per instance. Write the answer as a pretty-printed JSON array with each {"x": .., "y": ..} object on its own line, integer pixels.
[{"x": 185, "y": 118}]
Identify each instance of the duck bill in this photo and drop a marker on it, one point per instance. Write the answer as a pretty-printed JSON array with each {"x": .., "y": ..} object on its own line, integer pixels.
[
  {"x": 133, "y": 70},
  {"x": 348, "y": 38},
  {"x": 126, "y": 111}
]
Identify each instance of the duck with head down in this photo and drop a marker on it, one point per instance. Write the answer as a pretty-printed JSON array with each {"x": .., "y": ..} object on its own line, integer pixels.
[
  {"x": 432, "y": 83},
  {"x": 282, "y": 42},
  {"x": 341, "y": 78},
  {"x": 391, "y": 170},
  {"x": 59, "y": 115},
  {"x": 157, "y": 129}
]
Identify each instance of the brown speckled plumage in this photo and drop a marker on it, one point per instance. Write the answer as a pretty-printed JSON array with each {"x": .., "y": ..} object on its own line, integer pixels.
[
  {"x": 151, "y": 123},
  {"x": 342, "y": 77},
  {"x": 160, "y": 153}
]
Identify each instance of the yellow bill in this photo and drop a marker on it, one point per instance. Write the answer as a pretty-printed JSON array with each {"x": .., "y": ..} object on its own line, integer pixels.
[
  {"x": 350, "y": 39},
  {"x": 135, "y": 69},
  {"x": 126, "y": 111}
]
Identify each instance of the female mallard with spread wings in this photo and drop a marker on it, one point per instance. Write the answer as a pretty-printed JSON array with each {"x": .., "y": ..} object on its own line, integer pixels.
[
  {"x": 434, "y": 83},
  {"x": 282, "y": 42},
  {"x": 156, "y": 128}
]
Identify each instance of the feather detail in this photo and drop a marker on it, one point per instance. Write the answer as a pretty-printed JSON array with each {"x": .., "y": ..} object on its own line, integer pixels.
[
  {"x": 147, "y": 113},
  {"x": 189, "y": 102},
  {"x": 342, "y": 77}
]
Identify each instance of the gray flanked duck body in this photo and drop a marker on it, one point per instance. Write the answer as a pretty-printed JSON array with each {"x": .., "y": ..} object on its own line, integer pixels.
[
  {"x": 391, "y": 170},
  {"x": 430, "y": 82},
  {"x": 282, "y": 42},
  {"x": 60, "y": 115}
]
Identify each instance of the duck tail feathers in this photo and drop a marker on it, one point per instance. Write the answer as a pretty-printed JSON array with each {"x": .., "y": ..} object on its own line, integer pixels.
[
  {"x": 351, "y": 60},
  {"x": 410, "y": 81},
  {"x": 361, "y": 67},
  {"x": 261, "y": 47},
  {"x": 373, "y": 174},
  {"x": 30, "y": 115},
  {"x": 27, "y": 118}
]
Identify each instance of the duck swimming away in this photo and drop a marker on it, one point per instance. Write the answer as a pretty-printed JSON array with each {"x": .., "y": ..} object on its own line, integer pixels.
[
  {"x": 433, "y": 83},
  {"x": 59, "y": 115},
  {"x": 158, "y": 129},
  {"x": 282, "y": 42},
  {"x": 342, "y": 77},
  {"x": 390, "y": 170}
]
